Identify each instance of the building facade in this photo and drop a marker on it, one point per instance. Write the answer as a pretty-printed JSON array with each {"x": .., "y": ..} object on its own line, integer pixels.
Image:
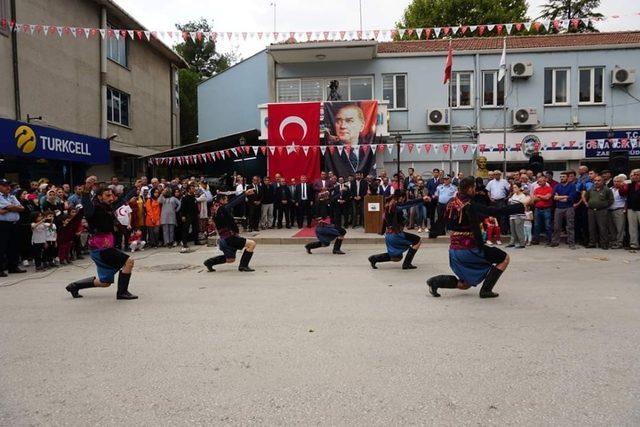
[
  {"x": 561, "y": 95},
  {"x": 121, "y": 89}
]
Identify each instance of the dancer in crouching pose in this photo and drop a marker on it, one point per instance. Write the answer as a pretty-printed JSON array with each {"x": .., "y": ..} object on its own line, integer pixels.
[
  {"x": 397, "y": 240},
  {"x": 471, "y": 260},
  {"x": 109, "y": 260},
  {"x": 326, "y": 232},
  {"x": 228, "y": 239}
]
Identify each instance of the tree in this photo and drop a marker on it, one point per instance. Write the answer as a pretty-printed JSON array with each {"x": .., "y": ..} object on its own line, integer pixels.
[
  {"x": 571, "y": 9},
  {"x": 204, "y": 61},
  {"x": 445, "y": 13}
]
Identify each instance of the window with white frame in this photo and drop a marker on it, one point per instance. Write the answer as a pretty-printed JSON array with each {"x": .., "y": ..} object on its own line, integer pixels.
[
  {"x": 117, "y": 107},
  {"x": 492, "y": 89},
  {"x": 462, "y": 88},
  {"x": 317, "y": 89},
  {"x": 394, "y": 90},
  {"x": 556, "y": 86},
  {"x": 117, "y": 48},
  {"x": 5, "y": 16},
  {"x": 288, "y": 90},
  {"x": 591, "y": 85}
]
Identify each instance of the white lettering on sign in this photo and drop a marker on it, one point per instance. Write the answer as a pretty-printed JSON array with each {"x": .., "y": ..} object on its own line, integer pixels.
[{"x": 64, "y": 146}]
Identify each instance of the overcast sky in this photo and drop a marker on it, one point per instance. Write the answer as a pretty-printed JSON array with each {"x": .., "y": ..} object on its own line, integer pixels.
[{"x": 296, "y": 15}]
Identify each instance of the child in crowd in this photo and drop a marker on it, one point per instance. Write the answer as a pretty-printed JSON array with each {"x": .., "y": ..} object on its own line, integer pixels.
[
  {"x": 38, "y": 239},
  {"x": 136, "y": 242},
  {"x": 51, "y": 235},
  {"x": 66, "y": 235},
  {"x": 528, "y": 225},
  {"x": 493, "y": 231}
]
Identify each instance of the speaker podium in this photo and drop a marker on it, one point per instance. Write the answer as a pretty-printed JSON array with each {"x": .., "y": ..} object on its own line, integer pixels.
[{"x": 373, "y": 213}]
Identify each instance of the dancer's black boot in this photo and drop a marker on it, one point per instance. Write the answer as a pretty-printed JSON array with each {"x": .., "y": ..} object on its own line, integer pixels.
[
  {"x": 244, "y": 261},
  {"x": 442, "y": 281},
  {"x": 220, "y": 259},
  {"x": 74, "y": 287},
  {"x": 406, "y": 264},
  {"x": 374, "y": 259},
  {"x": 486, "y": 291},
  {"x": 312, "y": 245},
  {"x": 336, "y": 247},
  {"x": 123, "y": 286}
]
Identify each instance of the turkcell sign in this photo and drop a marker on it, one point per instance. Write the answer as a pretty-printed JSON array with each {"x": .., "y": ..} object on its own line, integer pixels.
[
  {"x": 40, "y": 142},
  {"x": 599, "y": 144}
]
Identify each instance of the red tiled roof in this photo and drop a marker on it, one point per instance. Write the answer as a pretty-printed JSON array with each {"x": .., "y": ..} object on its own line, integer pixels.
[{"x": 516, "y": 42}]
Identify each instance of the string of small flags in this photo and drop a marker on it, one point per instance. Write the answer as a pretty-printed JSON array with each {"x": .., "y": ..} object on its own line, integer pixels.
[
  {"x": 426, "y": 148},
  {"x": 539, "y": 26}
]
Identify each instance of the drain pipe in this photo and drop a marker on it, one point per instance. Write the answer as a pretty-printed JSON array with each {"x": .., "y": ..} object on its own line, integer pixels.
[
  {"x": 14, "y": 56},
  {"x": 103, "y": 75}
]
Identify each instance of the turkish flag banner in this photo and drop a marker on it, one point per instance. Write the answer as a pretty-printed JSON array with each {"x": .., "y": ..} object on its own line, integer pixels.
[{"x": 292, "y": 125}]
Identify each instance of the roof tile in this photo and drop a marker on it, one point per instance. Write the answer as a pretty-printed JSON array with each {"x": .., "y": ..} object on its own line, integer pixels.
[{"x": 516, "y": 42}]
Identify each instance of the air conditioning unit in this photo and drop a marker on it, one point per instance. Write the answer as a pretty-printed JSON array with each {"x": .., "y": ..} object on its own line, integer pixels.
[
  {"x": 525, "y": 117},
  {"x": 623, "y": 76},
  {"x": 438, "y": 117},
  {"x": 521, "y": 70}
]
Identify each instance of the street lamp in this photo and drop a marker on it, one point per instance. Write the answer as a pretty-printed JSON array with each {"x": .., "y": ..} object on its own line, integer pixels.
[{"x": 398, "y": 141}]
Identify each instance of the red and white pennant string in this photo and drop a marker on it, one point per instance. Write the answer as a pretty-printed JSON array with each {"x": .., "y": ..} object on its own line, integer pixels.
[{"x": 539, "y": 26}]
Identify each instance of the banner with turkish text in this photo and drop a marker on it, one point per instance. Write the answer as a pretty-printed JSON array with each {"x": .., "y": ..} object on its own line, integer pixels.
[
  {"x": 350, "y": 130},
  {"x": 292, "y": 126}
]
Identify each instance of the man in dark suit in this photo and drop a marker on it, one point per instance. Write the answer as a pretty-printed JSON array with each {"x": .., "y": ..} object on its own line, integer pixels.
[
  {"x": 321, "y": 183},
  {"x": 293, "y": 213},
  {"x": 304, "y": 197},
  {"x": 361, "y": 189},
  {"x": 432, "y": 185},
  {"x": 282, "y": 202},
  {"x": 341, "y": 203},
  {"x": 254, "y": 203}
]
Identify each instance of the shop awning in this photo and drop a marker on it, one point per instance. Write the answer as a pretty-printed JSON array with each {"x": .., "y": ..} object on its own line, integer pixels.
[{"x": 228, "y": 141}]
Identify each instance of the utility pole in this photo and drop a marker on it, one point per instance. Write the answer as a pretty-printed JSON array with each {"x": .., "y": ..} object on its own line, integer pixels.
[
  {"x": 274, "y": 16},
  {"x": 360, "y": 4}
]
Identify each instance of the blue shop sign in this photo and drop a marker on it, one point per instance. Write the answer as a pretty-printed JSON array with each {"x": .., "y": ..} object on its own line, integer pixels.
[
  {"x": 40, "y": 142},
  {"x": 599, "y": 144}
]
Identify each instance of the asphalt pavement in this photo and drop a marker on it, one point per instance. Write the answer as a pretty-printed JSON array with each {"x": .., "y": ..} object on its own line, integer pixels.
[{"x": 323, "y": 339}]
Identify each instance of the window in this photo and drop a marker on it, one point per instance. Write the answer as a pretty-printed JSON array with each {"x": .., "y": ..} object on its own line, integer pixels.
[
  {"x": 591, "y": 85},
  {"x": 4, "y": 17},
  {"x": 360, "y": 88},
  {"x": 462, "y": 88},
  {"x": 493, "y": 90},
  {"x": 317, "y": 89},
  {"x": 288, "y": 90},
  {"x": 394, "y": 90},
  {"x": 311, "y": 90},
  {"x": 117, "y": 48},
  {"x": 117, "y": 107},
  {"x": 556, "y": 86}
]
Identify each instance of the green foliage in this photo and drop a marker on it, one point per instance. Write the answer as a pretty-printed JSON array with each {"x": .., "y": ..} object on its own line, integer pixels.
[
  {"x": 204, "y": 61},
  {"x": 570, "y": 9},
  {"x": 189, "y": 80},
  {"x": 446, "y": 13}
]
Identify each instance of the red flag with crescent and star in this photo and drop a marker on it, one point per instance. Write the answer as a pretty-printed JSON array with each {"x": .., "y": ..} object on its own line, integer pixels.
[{"x": 293, "y": 125}]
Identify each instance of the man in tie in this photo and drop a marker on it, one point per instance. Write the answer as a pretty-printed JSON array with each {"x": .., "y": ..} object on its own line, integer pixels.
[
  {"x": 358, "y": 199},
  {"x": 341, "y": 202},
  {"x": 282, "y": 200},
  {"x": 348, "y": 128},
  {"x": 292, "y": 210},
  {"x": 304, "y": 201},
  {"x": 321, "y": 183}
]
